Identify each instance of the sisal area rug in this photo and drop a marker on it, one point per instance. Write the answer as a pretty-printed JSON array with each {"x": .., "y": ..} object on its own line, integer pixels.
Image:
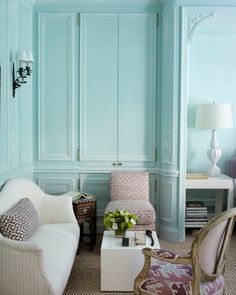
[{"x": 85, "y": 274}]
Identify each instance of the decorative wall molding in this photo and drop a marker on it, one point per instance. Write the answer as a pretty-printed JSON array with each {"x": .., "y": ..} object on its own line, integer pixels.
[
  {"x": 169, "y": 90},
  {"x": 166, "y": 147},
  {"x": 168, "y": 201},
  {"x": 141, "y": 148},
  {"x": 169, "y": 172},
  {"x": 67, "y": 20},
  {"x": 28, "y": 3},
  {"x": 195, "y": 20},
  {"x": 55, "y": 185},
  {"x": 25, "y": 171},
  {"x": 25, "y": 93}
]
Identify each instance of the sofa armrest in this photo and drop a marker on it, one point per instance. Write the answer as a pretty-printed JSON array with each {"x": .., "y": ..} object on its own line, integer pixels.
[
  {"x": 22, "y": 268},
  {"x": 57, "y": 209},
  {"x": 18, "y": 245}
]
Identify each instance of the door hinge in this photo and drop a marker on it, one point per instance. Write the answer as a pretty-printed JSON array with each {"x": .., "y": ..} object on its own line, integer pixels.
[
  {"x": 78, "y": 154},
  {"x": 78, "y": 19}
]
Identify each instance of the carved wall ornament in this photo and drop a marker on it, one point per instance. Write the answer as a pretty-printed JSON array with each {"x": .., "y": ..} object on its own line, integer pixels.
[
  {"x": 194, "y": 22},
  {"x": 166, "y": 150}
]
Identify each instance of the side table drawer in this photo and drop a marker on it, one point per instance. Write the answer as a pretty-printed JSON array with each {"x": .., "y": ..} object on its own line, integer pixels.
[{"x": 84, "y": 211}]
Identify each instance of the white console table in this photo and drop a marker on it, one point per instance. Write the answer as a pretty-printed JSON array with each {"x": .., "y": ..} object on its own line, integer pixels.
[{"x": 219, "y": 184}]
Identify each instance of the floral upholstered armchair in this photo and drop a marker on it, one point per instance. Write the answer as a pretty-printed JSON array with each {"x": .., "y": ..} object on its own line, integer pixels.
[
  {"x": 130, "y": 191},
  {"x": 201, "y": 272}
]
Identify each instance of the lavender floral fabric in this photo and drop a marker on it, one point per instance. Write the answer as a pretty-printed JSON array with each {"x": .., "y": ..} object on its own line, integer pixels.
[
  {"x": 164, "y": 254},
  {"x": 175, "y": 279}
]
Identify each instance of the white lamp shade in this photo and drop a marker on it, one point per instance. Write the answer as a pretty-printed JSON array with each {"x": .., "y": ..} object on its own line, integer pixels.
[
  {"x": 30, "y": 56},
  {"x": 22, "y": 56},
  {"x": 214, "y": 116}
]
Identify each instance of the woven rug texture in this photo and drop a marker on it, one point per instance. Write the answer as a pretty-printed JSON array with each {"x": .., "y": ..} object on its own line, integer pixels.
[{"x": 85, "y": 274}]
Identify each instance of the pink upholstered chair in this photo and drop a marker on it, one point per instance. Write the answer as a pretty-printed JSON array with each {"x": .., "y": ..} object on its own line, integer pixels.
[
  {"x": 199, "y": 272},
  {"x": 130, "y": 191}
]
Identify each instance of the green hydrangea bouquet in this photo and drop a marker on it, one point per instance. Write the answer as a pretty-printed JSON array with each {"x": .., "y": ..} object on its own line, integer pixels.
[{"x": 120, "y": 221}]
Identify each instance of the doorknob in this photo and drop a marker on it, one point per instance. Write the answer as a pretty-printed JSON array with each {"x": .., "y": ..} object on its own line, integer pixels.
[
  {"x": 119, "y": 164},
  {"x": 113, "y": 164}
]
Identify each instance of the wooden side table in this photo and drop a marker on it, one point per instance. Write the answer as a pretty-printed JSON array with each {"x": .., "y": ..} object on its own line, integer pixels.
[{"x": 85, "y": 211}]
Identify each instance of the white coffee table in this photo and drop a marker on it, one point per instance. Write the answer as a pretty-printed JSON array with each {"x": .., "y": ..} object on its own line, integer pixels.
[{"x": 120, "y": 265}]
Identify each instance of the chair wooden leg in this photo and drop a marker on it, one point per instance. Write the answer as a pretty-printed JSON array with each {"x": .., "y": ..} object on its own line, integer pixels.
[{"x": 142, "y": 275}]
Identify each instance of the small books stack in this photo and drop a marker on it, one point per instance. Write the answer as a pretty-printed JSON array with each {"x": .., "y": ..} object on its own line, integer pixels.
[
  {"x": 76, "y": 195},
  {"x": 196, "y": 176},
  {"x": 140, "y": 238},
  {"x": 196, "y": 214}
]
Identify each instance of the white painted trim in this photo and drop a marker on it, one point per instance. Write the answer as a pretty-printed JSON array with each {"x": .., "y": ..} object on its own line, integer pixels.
[
  {"x": 28, "y": 6},
  {"x": 69, "y": 183},
  {"x": 168, "y": 150},
  {"x": 195, "y": 20},
  {"x": 95, "y": 2},
  {"x": 42, "y": 17},
  {"x": 167, "y": 197}
]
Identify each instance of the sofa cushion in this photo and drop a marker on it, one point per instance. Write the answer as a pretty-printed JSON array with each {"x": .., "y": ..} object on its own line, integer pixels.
[
  {"x": 59, "y": 243},
  {"x": 20, "y": 222},
  {"x": 143, "y": 209}
]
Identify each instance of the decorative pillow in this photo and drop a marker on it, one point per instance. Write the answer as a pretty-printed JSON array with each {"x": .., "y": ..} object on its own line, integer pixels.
[{"x": 20, "y": 222}]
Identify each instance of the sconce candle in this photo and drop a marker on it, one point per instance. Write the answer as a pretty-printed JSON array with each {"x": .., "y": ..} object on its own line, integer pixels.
[
  {"x": 29, "y": 62},
  {"x": 25, "y": 61}
]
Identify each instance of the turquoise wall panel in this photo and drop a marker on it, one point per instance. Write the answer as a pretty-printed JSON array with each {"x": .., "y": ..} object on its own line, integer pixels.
[
  {"x": 56, "y": 86},
  {"x": 52, "y": 183},
  {"x": 122, "y": 77},
  {"x": 99, "y": 89},
  {"x": 4, "y": 56},
  {"x": 212, "y": 72},
  {"x": 15, "y": 113},
  {"x": 24, "y": 40},
  {"x": 137, "y": 87}
]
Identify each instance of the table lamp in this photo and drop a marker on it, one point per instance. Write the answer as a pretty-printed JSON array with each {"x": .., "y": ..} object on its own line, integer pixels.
[{"x": 214, "y": 116}]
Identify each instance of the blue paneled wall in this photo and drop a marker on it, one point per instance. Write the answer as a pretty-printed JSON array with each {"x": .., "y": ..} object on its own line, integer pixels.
[
  {"x": 178, "y": 57},
  {"x": 15, "y": 113},
  {"x": 212, "y": 74}
]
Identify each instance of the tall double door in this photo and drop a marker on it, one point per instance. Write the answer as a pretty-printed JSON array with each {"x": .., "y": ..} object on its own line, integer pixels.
[{"x": 118, "y": 89}]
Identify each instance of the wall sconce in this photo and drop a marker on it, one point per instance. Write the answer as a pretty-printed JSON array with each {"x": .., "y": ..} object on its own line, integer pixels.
[{"x": 25, "y": 60}]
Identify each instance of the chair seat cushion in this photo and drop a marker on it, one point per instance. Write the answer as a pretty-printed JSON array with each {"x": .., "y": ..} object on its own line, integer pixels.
[
  {"x": 143, "y": 209},
  {"x": 175, "y": 279}
]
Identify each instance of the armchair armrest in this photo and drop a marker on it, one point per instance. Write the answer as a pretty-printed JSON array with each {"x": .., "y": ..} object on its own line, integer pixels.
[
  {"x": 168, "y": 256},
  {"x": 57, "y": 209},
  {"x": 160, "y": 254}
]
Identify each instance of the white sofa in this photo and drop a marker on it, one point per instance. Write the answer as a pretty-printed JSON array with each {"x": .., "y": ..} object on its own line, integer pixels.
[{"x": 42, "y": 264}]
